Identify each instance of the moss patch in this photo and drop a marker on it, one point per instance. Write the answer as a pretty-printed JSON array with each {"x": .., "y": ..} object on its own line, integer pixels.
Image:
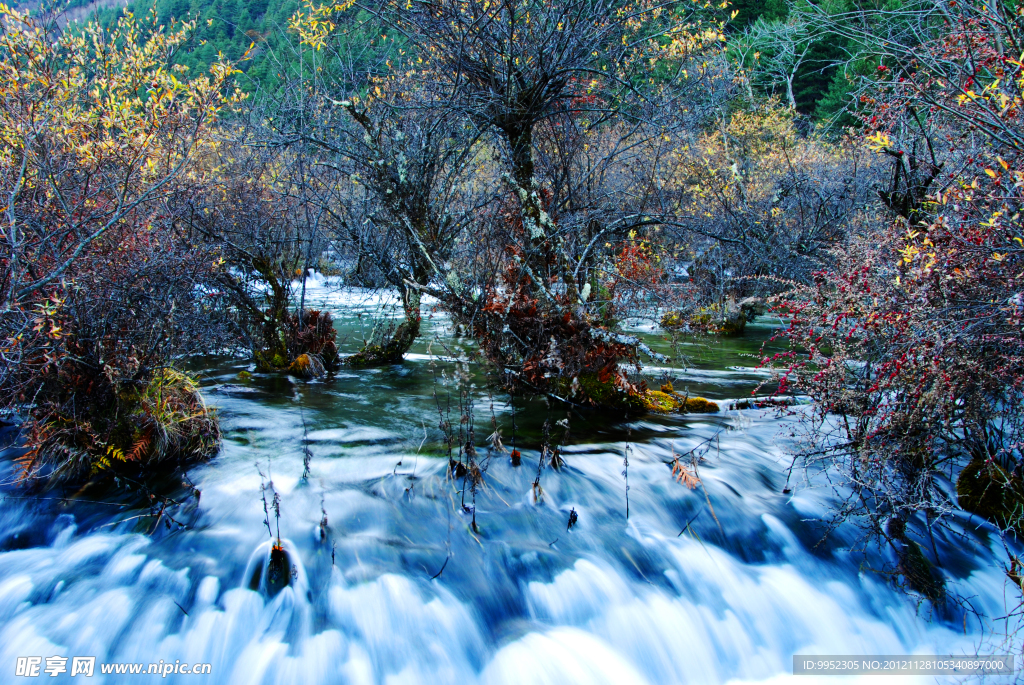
[
  {"x": 391, "y": 352},
  {"x": 699, "y": 405},
  {"x": 661, "y": 402},
  {"x": 590, "y": 389},
  {"x": 733, "y": 326},
  {"x": 670, "y": 402},
  {"x": 371, "y": 355},
  {"x": 267, "y": 361},
  {"x": 673, "y": 320},
  {"x": 710, "y": 320},
  {"x": 605, "y": 393},
  {"x": 986, "y": 489}
]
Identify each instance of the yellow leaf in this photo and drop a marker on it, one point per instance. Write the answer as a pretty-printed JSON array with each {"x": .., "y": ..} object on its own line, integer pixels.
[{"x": 879, "y": 141}]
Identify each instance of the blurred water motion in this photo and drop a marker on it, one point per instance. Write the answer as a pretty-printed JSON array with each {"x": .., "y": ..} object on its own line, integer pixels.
[{"x": 396, "y": 588}]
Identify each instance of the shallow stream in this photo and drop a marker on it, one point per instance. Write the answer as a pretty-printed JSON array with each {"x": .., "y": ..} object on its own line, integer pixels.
[{"x": 721, "y": 583}]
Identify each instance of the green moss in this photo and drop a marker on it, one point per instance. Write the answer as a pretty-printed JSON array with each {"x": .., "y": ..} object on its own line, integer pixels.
[
  {"x": 270, "y": 361},
  {"x": 673, "y": 320},
  {"x": 667, "y": 400},
  {"x": 733, "y": 326},
  {"x": 921, "y": 574},
  {"x": 244, "y": 376},
  {"x": 986, "y": 489},
  {"x": 589, "y": 389},
  {"x": 699, "y": 405},
  {"x": 711, "y": 319},
  {"x": 660, "y": 402},
  {"x": 370, "y": 355},
  {"x": 703, "y": 320},
  {"x": 262, "y": 361},
  {"x": 592, "y": 390},
  {"x": 375, "y": 355},
  {"x": 392, "y": 352}
]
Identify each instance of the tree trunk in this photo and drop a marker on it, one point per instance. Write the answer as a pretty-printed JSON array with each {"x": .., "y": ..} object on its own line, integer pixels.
[
  {"x": 520, "y": 140},
  {"x": 274, "y": 354},
  {"x": 393, "y": 349}
]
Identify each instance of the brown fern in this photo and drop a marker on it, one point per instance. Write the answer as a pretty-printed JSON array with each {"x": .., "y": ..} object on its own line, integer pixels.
[
  {"x": 141, "y": 445},
  {"x": 683, "y": 475},
  {"x": 27, "y": 463}
]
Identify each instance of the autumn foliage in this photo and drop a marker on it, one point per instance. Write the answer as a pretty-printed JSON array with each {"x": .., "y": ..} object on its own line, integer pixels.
[
  {"x": 914, "y": 338},
  {"x": 99, "y": 286}
]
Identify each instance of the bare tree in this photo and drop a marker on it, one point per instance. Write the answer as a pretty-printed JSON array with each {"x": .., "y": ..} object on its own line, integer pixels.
[
  {"x": 773, "y": 52},
  {"x": 569, "y": 82},
  {"x": 261, "y": 212}
]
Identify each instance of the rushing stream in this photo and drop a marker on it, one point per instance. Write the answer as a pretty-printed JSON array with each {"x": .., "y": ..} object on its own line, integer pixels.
[{"x": 397, "y": 588}]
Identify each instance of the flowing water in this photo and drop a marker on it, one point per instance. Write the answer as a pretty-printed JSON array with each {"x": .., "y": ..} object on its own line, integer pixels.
[{"x": 721, "y": 583}]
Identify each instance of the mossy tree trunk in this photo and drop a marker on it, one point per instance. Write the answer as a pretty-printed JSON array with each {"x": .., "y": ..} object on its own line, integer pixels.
[
  {"x": 264, "y": 321},
  {"x": 274, "y": 354},
  {"x": 393, "y": 345}
]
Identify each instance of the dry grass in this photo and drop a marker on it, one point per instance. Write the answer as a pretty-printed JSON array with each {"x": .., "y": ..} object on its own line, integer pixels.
[{"x": 162, "y": 426}]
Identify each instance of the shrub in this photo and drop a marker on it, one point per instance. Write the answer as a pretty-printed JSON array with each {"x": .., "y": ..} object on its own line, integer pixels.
[
  {"x": 131, "y": 430},
  {"x": 310, "y": 342},
  {"x": 913, "y": 341},
  {"x": 99, "y": 285}
]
